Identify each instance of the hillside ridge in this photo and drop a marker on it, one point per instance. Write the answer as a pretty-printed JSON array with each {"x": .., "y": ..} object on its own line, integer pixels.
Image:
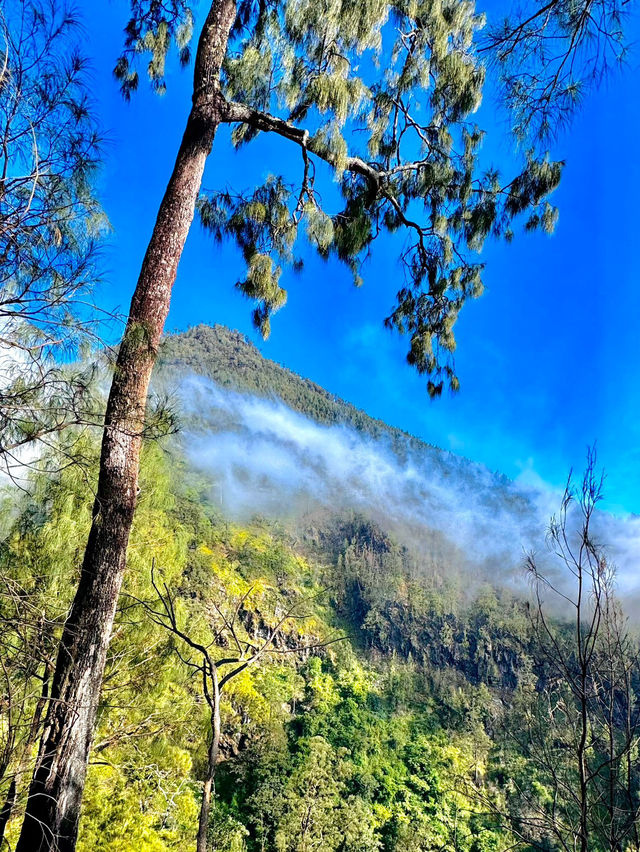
[{"x": 230, "y": 359}]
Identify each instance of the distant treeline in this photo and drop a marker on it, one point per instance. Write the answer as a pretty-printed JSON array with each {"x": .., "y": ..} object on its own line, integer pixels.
[{"x": 231, "y": 360}]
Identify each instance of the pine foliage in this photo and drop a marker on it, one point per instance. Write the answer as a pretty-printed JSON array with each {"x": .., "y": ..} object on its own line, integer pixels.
[
  {"x": 549, "y": 55},
  {"x": 384, "y": 94},
  {"x": 50, "y": 221}
]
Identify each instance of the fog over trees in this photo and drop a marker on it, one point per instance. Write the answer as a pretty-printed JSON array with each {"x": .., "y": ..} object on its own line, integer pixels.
[{"x": 310, "y": 683}]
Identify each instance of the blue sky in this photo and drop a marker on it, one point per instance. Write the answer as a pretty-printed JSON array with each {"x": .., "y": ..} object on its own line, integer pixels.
[{"x": 548, "y": 357}]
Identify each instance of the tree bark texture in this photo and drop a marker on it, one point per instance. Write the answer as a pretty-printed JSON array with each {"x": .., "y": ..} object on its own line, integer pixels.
[
  {"x": 212, "y": 763},
  {"x": 55, "y": 795}
]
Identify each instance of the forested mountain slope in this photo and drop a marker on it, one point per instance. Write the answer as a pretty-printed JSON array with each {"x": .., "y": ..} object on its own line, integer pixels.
[
  {"x": 409, "y": 588},
  {"x": 402, "y": 703},
  {"x": 361, "y": 730},
  {"x": 284, "y": 444},
  {"x": 231, "y": 360}
]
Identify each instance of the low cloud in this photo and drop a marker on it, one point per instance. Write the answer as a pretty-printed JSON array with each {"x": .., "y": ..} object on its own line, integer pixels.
[{"x": 264, "y": 458}]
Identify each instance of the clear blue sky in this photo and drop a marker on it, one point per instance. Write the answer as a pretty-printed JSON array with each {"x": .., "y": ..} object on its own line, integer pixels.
[{"x": 548, "y": 357}]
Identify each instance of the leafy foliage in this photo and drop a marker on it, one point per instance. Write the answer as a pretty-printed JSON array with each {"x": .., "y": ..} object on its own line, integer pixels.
[
  {"x": 50, "y": 221},
  {"x": 153, "y": 26},
  {"x": 301, "y": 733},
  {"x": 411, "y": 735},
  {"x": 384, "y": 94}
]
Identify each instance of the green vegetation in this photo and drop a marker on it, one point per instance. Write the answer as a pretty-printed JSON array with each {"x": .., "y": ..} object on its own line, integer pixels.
[
  {"x": 401, "y": 707},
  {"x": 369, "y": 699},
  {"x": 381, "y": 96},
  {"x": 394, "y": 738},
  {"x": 334, "y": 749},
  {"x": 229, "y": 359}
]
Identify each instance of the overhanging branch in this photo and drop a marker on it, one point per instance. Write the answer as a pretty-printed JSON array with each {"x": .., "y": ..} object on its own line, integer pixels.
[{"x": 236, "y": 112}]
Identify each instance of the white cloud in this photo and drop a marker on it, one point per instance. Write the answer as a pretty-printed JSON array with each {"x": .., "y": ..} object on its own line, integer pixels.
[{"x": 266, "y": 458}]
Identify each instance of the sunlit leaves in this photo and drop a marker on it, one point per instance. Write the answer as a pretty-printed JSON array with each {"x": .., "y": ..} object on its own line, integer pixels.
[
  {"x": 320, "y": 228},
  {"x": 152, "y": 28},
  {"x": 382, "y": 91}
]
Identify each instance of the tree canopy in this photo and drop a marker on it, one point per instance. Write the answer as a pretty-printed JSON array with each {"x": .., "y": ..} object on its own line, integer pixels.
[
  {"x": 50, "y": 219},
  {"x": 549, "y": 54},
  {"x": 384, "y": 94}
]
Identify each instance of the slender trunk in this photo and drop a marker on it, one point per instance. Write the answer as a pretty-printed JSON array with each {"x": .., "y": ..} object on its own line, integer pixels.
[
  {"x": 212, "y": 762},
  {"x": 25, "y": 759},
  {"x": 55, "y": 795},
  {"x": 7, "y": 809},
  {"x": 630, "y": 787},
  {"x": 614, "y": 768},
  {"x": 584, "y": 721}
]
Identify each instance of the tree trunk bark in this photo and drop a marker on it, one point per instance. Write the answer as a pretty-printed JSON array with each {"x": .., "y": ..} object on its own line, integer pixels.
[
  {"x": 212, "y": 762},
  {"x": 55, "y": 795}
]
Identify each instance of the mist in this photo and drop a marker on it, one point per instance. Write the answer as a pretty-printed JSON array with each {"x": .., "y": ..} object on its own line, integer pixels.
[{"x": 263, "y": 458}]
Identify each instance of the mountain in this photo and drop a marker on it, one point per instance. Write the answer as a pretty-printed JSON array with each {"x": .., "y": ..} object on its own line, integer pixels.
[
  {"x": 411, "y": 571},
  {"x": 230, "y": 360},
  {"x": 399, "y": 704},
  {"x": 280, "y": 445}
]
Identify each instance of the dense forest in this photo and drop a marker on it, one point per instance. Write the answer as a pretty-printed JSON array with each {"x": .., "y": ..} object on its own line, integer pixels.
[
  {"x": 237, "y": 614},
  {"x": 333, "y": 747},
  {"x": 392, "y": 708},
  {"x": 231, "y": 360}
]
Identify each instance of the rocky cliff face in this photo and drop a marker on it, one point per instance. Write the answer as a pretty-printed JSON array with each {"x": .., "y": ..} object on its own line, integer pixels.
[{"x": 400, "y": 604}]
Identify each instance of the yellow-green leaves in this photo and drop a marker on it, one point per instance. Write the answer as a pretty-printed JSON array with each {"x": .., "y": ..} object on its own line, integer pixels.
[
  {"x": 330, "y": 143},
  {"x": 320, "y": 230},
  {"x": 261, "y": 285},
  {"x": 152, "y": 29},
  {"x": 337, "y": 94},
  {"x": 249, "y": 76}
]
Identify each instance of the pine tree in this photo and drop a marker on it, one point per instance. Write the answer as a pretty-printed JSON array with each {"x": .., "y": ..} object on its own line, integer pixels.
[
  {"x": 406, "y": 77},
  {"x": 50, "y": 220},
  {"x": 550, "y": 54}
]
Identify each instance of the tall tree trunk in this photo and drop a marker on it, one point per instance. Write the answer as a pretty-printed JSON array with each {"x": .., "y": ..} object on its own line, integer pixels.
[
  {"x": 55, "y": 795},
  {"x": 212, "y": 762}
]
